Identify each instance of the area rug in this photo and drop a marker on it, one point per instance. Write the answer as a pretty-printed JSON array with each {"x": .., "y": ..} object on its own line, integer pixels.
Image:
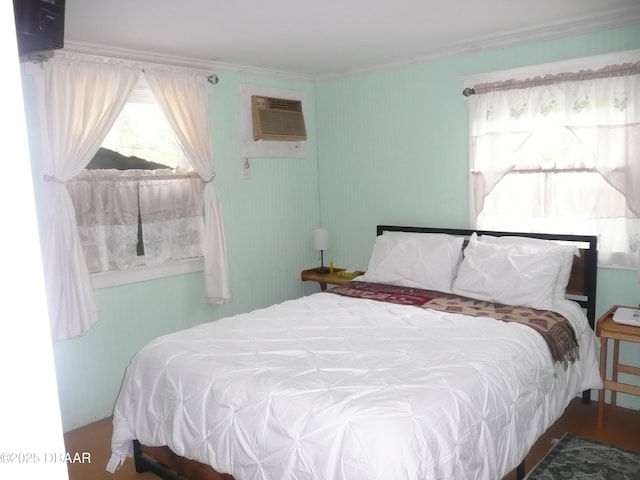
[{"x": 577, "y": 458}]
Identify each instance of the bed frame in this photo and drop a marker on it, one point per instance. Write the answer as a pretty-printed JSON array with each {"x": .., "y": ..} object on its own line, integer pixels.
[
  {"x": 582, "y": 283},
  {"x": 581, "y": 289}
]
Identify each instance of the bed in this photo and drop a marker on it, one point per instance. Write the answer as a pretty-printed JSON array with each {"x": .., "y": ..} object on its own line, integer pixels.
[{"x": 448, "y": 358}]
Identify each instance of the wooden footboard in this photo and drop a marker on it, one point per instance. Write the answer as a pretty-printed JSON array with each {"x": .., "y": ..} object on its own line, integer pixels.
[{"x": 170, "y": 466}]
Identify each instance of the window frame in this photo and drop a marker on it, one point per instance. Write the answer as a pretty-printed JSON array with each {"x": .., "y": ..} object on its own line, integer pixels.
[
  {"x": 143, "y": 273},
  {"x": 113, "y": 278},
  {"x": 575, "y": 65}
]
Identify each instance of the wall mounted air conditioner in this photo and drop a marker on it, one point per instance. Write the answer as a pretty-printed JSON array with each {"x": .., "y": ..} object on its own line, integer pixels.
[{"x": 277, "y": 119}]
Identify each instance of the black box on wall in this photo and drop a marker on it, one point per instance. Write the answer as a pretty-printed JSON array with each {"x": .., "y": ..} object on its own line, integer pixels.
[{"x": 39, "y": 25}]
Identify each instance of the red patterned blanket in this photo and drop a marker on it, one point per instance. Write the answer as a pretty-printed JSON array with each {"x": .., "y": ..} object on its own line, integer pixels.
[{"x": 554, "y": 328}]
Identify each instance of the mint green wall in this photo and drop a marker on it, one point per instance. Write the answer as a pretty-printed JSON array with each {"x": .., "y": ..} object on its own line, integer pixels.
[
  {"x": 268, "y": 219},
  {"x": 393, "y": 148},
  {"x": 384, "y": 147},
  {"x": 393, "y": 144}
]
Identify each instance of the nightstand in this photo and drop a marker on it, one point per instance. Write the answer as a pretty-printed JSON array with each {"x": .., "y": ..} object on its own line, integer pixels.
[
  {"x": 324, "y": 279},
  {"x": 607, "y": 329}
]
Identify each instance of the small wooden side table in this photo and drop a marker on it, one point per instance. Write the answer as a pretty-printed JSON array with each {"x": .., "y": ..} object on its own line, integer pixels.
[
  {"x": 330, "y": 278},
  {"x": 607, "y": 329}
]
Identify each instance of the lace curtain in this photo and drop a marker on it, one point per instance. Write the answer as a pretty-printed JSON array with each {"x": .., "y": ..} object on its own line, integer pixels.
[
  {"x": 171, "y": 211},
  {"x": 112, "y": 205},
  {"x": 563, "y": 157},
  {"x": 79, "y": 99},
  {"x": 106, "y": 207}
]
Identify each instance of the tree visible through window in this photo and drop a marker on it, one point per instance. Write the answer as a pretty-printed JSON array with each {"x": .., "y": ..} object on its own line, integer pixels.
[
  {"x": 138, "y": 202},
  {"x": 142, "y": 131},
  {"x": 98, "y": 232}
]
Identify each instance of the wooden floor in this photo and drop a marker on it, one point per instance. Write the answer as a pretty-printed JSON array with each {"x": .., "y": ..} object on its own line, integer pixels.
[{"x": 621, "y": 428}]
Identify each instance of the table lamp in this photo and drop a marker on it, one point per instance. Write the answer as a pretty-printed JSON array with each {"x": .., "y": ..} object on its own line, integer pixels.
[{"x": 321, "y": 243}]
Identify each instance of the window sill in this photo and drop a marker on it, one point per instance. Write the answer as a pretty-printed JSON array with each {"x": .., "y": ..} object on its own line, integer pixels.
[{"x": 141, "y": 274}]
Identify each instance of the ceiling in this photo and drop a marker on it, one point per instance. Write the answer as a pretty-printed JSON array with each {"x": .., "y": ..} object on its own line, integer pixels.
[{"x": 319, "y": 39}]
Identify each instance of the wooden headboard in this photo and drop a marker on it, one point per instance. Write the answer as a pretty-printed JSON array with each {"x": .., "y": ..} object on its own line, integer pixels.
[{"x": 582, "y": 283}]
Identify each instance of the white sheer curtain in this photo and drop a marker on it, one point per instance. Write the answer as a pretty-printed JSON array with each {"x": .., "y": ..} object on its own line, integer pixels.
[
  {"x": 183, "y": 97},
  {"x": 171, "y": 210},
  {"x": 106, "y": 206},
  {"x": 561, "y": 157},
  {"x": 109, "y": 204},
  {"x": 79, "y": 99}
]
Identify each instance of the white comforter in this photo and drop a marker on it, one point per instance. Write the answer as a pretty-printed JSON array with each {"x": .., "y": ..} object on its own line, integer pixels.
[{"x": 328, "y": 387}]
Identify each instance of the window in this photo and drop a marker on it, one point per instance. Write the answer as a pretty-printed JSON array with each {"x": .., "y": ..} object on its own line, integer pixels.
[
  {"x": 90, "y": 91},
  {"x": 559, "y": 157},
  {"x": 142, "y": 131},
  {"x": 138, "y": 203}
]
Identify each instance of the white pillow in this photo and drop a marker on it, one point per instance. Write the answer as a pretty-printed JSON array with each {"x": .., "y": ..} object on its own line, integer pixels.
[
  {"x": 419, "y": 260},
  {"x": 539, "y": 244},
  {"x": 512, "y": 275}
]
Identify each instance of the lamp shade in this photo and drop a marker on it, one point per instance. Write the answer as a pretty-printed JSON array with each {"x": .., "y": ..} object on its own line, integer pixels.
[{"x": 321, "y": 239}]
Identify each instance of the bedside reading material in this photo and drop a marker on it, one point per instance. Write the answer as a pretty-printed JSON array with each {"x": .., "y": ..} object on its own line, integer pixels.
[
  {"x": 338, "y": 276},
  {"x": 349, "y": 273},
  {"x": 627, "y": 316}
]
